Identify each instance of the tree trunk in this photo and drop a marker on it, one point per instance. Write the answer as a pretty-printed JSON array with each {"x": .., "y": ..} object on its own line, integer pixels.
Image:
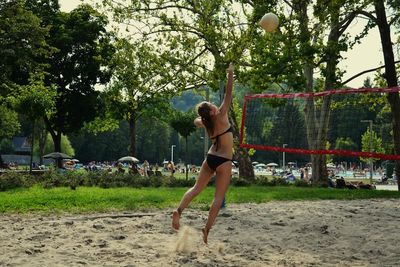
[
  {"x": 56, "y": 136},
  {"x": 391, "y": 78},
  {"x": 42, "y": 137},
  {"x": 241, "y": 155},
  {"x": 132, "y": 136},
  {"x": 32, "y": 144},
  {"x": 321, "y": 172},
  {"x": 57, "y": 145},
  {"x": 57, "y": 148},
  {"x": 311, "y": 117},
  {"x": 2, "y": 165},
  {"x": 186, "y": 159}
]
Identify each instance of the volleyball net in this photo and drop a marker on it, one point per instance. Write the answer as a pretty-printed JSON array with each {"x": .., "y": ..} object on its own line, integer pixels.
[{"x": 359, "y": 124}]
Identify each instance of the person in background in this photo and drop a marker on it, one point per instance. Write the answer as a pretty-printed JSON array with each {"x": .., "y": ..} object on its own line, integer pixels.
[
  {"x": 171, "y": 167},
  {"x": 146, "y": 166}
]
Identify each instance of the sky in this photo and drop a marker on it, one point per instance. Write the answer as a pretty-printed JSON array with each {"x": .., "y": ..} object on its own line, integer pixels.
[{"x": 366, "y": 55}]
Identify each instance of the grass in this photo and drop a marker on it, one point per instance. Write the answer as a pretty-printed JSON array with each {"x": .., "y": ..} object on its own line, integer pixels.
[{"x": 94, "y": 199}]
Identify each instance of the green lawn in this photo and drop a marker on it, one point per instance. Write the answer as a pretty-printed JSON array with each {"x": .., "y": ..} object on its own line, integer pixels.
[{"x": 94, "y": 199}]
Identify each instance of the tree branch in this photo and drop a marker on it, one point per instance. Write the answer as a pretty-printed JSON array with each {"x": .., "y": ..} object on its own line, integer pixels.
[
  {"x": 366, "y": 71},
  {"x": 367, "y": 14},
  {"x": 289, "y": 3},
  {"x": 395, "y": 18},
  {"x": 346, "y": 22}
]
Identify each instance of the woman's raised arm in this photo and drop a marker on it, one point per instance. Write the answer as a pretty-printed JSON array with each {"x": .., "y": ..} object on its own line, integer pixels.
[{"x": 226, "y": 103}]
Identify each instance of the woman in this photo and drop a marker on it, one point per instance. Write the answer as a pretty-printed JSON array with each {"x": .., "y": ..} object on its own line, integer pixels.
[{"x": 219, "y": 157}]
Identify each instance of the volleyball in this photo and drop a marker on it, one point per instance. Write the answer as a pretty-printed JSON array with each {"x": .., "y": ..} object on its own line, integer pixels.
[{"x": 269, "y": 22}]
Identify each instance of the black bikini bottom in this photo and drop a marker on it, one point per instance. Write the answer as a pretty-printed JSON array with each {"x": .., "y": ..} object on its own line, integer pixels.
[{"x": 214, "y": 161}]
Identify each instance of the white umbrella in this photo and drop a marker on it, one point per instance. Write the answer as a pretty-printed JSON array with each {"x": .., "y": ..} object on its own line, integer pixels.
[
  {"x": 272, "y": 164},
  {"x": 254, "y": 163},
  {"x": 260, "y": 165},
  {"x": 129, "y": 159}
]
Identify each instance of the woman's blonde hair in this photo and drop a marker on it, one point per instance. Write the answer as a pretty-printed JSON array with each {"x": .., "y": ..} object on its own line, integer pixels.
[{"x": 203, "y": 109}]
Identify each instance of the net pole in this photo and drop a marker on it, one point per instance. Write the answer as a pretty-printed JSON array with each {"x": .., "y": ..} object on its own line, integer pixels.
[{"x": 371, "y": 163}]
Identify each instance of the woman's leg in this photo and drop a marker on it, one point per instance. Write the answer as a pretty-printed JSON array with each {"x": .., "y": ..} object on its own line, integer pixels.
[
  {"x": 202, "y": 181},
  {"x": 224, "y": 173}
]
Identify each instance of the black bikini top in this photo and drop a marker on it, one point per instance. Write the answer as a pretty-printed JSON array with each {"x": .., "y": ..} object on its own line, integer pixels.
[{"x": 230, "y": 130}]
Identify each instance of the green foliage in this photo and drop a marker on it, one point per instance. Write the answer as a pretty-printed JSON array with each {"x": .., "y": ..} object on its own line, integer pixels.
[
  {"x": 139, "y": 88},
  {"x": 347, "y": 113},
  {"x": 6, "y": 146},
  {"x": 53, "y": 179},
  {"x": 153, "y": 140},
  {"x": 66, "y": 146},
  {"x": 9, "y": 124},
  {"x": 12, "y": 180},
  {"x": 182, "y": 122},
  {"x": 172, "y": 181},
  {"x": 101, "y": 124},
  {"x": 77, "y": 178},
  {"x": 344, "y": 143},
  {"x": 371, "y": 143},
  {"x": 102, "y": 146},
  {"x": 239, "y": 181},
  {"x": 22, "y": 42},
  {"x": 276, "y": 181},
  {"x": 81, "y": 60},
  {"x": 35, "y": 100},
  {"x": 139, "y": 82}
]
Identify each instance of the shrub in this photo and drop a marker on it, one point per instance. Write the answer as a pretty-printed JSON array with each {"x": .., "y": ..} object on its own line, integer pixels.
[
  {"x": 73, "y": 179},
  {"x": 171, "y": 181},
  {"x": 301, "y": 183},
  {"x": 53, "y": 178},
  {"x": 91, "y": 178},
  {"x": 156, "y": 181},
  {"x": 239, "y": 181},
  {"x": 11, "y": 180},
  {"x": 278, "y": 181},
  {"x": 262, "y": 180}
]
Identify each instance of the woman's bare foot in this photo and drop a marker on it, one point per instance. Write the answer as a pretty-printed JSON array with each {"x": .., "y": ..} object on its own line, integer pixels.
[
  {"x": 205, "y": 234},
  {"x": 175, "y": 220}
]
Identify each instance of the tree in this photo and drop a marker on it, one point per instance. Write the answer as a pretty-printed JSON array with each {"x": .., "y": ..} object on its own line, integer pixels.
[
  {"x": 183, "y": 123},
  {"x": 201, "y": 38},
  {"x": 65, "y": 146},
  {"x": 371, "y": 143},
  {"x": 22, "y": 42},
  {"x": 138, "y": 88},
  {"x": 383, "y": 24},
  {"x": 83, "y": 50},
  {"x": 307, "y": 44},
  {"x": 153, "y": 139},
  {"x": 35, "y": 101},
  {"x": 344, "y": 143},
  {"x": 102, "y": 146},
  {"x": 9, "y": 125}
]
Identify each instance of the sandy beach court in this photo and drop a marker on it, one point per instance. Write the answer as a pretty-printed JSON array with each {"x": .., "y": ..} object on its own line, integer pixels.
[{"x": 296, "y": 233}]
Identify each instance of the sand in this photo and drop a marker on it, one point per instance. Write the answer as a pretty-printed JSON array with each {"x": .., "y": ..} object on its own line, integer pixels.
[{"x": 297, "y": 233}]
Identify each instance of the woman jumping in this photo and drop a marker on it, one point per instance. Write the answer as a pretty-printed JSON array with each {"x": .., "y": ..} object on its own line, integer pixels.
[{"x": 219, "y": 156}]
